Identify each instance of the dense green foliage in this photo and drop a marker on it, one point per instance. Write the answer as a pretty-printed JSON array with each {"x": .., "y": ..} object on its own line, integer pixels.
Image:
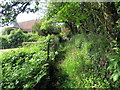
[
  {"x": 84, "y": 65},
  {"x": 72, "y": 64},
  {"x": 115, "y": 63},
  {"x": 4, "y": 42},
  {"x": 7, "y": 31},
  {"x": 98, "y": 17},
  {"x": 82, "y": 52},
  {"x": 85, "y": 61},
  {"x": 16, "y": 38},
  {"x": 31, "y": 37},
  {"x": 102, "y": 20},
  {"x": 25, "y": 67},
  {"x": 46, "y": 27},
  {"x": 13, "y": 40},
  {"x": 36, "y": 27}
]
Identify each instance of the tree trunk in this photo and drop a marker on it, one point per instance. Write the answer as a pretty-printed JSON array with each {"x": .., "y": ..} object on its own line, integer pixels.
[{"x": 110, "y": 16}]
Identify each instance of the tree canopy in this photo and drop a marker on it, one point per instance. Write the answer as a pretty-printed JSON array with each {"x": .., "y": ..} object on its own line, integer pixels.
[
  {"x": 100, "y": 17},
  {"x": 10, "y": 10}
]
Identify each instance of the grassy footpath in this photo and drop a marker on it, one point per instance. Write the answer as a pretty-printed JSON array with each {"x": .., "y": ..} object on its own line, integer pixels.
[{"x": 81, "y": 63}]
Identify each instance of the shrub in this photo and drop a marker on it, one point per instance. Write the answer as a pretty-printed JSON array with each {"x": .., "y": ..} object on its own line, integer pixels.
[
  {"x": 114, "y": 66},
  {"x": 49, "y": 29},
  {"x": 42, "y": 38},
  {"x": 7, "y": 31},
  {"x": 24, "y": 68},
  {"x": 36, "y": 26},
  {"x": 32, "y": 37},
  {"x": 16, "y": 38},
  {"x": 4, "y": 42},
  {"x": 45, "y": 27}
]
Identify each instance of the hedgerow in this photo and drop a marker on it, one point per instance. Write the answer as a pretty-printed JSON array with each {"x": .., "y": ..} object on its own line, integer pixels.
[{"x": 24, "y": 68}]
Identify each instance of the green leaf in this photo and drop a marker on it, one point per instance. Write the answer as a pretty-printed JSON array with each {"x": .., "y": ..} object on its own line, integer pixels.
[
  {"x": 115, "y": 76},
  {"x": 82, "y": 17},
  {"x": 78, "y": 23},
  {"x": 40, "y": 76},
  {"x": 110, "y": 67}
]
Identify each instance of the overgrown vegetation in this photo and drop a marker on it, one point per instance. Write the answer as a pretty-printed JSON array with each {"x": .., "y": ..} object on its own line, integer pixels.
[
  {"x": 84, "y": 65},
  {"x": 46, "y": 27},
  {"x": 16, "y": 38},
  {"x": 80, "y": 49},
  {"x": 24, "y": 68},
  {"x": 7, "y": 31}
]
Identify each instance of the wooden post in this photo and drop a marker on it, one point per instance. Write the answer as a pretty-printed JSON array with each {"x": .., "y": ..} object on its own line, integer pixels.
[{"x": 48, "y": 50}]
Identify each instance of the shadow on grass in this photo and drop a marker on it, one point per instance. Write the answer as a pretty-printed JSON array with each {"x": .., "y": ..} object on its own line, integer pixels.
[{"x": 57, "y": 75}]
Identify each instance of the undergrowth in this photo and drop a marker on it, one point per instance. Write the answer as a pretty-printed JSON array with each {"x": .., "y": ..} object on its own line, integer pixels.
[
  {"x": 85, "y": 63},
  {"x": 24, "y": 68}
]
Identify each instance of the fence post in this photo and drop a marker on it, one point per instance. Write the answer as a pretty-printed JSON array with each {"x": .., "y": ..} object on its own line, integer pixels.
[{"x": 48, "y": 50}]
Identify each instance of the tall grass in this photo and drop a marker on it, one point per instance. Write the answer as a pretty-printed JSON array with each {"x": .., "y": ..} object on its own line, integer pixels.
[{"x": 85, "y": 62}]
